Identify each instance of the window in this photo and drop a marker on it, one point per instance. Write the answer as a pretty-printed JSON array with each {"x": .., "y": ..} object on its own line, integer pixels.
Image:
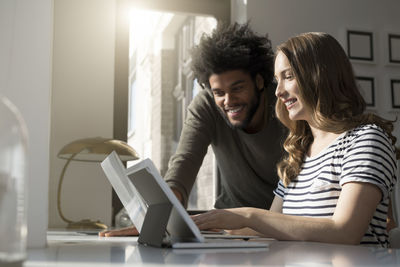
[
  {"x": 184, "y": 92},
  {"x": 131, "y": 108},
  {"x": 160, "y": 86}
]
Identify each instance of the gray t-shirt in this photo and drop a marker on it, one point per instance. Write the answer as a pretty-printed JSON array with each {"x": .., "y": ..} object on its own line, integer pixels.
[{"x": 246, "y": 162}]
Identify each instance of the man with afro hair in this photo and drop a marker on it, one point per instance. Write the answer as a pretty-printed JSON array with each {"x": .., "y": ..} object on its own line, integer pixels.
[{"x": 235, "y": 114}]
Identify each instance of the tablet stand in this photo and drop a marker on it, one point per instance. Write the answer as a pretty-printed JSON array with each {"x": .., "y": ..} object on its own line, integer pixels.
[{"x": 155, "y": 224}]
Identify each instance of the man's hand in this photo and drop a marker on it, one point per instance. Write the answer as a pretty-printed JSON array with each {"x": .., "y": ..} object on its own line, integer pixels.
[
  {"x": 178, "y": 195},
  {"x": 131, "y": 230},
  {"x": 128, "y": 231}
]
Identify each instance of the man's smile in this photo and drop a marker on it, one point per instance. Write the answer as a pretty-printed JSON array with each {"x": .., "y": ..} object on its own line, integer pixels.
[{"x": 234, "y": 111}]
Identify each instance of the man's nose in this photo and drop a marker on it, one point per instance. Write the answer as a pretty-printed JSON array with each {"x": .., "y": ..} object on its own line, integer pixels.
[{"x": 227, "y": 99}]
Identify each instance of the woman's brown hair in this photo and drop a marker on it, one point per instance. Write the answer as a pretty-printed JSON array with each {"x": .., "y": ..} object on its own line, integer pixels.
[{"x": 327, "y": 86}]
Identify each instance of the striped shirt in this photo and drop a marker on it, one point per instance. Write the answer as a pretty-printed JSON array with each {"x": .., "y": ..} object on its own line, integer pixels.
[{"x": 364, "y": 154}]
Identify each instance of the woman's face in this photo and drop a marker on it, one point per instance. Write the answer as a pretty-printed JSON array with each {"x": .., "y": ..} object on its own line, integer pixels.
[{"x": 287, "y": 90}]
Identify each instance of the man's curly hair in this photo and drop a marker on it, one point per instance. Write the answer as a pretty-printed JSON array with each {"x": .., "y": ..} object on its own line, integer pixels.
[{"x": 232, "y": 47}]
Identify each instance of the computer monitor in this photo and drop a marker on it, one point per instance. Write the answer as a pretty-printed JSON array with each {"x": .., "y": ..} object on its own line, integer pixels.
[
  {"x": 156, "y": 212},
  {"x": 165, "y": 219}
]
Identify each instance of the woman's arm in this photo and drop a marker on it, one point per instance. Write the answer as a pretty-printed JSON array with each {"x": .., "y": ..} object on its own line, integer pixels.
[
  {"x": 276, "y": 206},
  {"x": 355, "y": 208},
  {"x": 391, "y": 223}
]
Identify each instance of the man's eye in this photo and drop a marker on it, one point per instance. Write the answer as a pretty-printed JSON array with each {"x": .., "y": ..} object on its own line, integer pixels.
[
  {"x": 237, "y": 88},
  {"x": 218, "y": 93}
]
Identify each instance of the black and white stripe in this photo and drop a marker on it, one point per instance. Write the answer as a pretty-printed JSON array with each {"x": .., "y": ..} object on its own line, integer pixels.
[{"x": 364, "y": 154}]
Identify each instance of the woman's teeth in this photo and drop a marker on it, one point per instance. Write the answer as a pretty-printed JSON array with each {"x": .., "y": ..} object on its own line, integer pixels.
[{"x": 289, "y": 102}]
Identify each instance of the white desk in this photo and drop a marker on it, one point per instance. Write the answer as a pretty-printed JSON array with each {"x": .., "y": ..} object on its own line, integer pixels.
[{"x": 89, "y": 251}]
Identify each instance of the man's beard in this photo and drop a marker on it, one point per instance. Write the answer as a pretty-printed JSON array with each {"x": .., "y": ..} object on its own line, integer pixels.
[{"x": 255, "y": 102}]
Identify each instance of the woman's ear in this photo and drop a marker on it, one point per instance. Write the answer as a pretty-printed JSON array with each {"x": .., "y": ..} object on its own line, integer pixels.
[{"x": 259, "y": 82}]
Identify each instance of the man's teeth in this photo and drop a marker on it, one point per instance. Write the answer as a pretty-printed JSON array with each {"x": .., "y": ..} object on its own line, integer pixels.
[
  {"x": 287, "y": 103},
  {"x": 234, "y": 110}
]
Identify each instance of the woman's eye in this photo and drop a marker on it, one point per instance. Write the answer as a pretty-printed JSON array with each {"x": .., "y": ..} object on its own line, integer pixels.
[{"x": 289, "y": 75}]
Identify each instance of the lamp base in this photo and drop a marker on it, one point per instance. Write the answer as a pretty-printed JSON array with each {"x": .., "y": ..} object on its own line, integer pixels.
[{"x": 86, "y": 224}]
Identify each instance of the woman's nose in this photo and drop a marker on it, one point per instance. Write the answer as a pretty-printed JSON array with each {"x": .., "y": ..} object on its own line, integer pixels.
[{"x": 278, "y": 91}]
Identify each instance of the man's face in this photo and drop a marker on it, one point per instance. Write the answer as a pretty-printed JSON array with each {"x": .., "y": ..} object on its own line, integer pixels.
[{"x": 237, "y": 96}]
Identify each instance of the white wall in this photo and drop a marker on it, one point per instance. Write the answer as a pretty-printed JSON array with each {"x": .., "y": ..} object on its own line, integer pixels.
[
  {"x": 282, "y": 19},
  {"x": 82, "y": 104},
  {"x": 239, "y": 11},
  {"x": 25, "y": 78}
]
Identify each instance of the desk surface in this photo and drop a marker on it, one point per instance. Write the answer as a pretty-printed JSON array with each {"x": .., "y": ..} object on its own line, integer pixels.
[{"x": 68, "y": 249}]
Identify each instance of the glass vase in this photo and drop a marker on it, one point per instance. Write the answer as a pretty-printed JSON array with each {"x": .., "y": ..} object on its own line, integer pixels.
[{"x": 13, "y": 199}]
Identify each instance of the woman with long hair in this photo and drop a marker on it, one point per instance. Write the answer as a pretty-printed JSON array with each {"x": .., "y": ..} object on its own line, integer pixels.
[{"x": 340, "y": 167}]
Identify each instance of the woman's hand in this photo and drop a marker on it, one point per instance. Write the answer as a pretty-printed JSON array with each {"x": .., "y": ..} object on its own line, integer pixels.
[{"x": 229, "y": 219}]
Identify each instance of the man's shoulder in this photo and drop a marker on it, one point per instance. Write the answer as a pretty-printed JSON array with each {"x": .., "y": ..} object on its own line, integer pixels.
[
  {"x": 203, "y": 99},
  {"x": 203, "y": 105}
]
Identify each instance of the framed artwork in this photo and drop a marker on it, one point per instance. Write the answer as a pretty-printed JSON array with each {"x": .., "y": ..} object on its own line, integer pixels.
[
  {"x": 366, "y": 86},
  {"x": 395, "y": 90},
  {"x": 394, "y": 48},
  {"x": 360, "y": 45}
]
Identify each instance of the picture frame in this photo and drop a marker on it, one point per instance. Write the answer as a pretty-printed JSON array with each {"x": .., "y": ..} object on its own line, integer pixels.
[
  {"x": 366, "y": 85},
  {"x": 393, "y": 48},
  {"x": 360, "y": 45},
  {"x": 395, "y": 93}
]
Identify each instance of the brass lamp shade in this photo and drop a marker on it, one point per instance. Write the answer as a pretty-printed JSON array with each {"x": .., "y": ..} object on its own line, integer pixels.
[
  {"x": 90, "y": 150},
  {"x": 97, "y": 149}
]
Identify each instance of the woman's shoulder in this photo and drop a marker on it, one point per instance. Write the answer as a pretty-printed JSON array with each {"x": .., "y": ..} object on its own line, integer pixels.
[
  {"x": 367, "y": 129},
  {"x": 368, "y": 134}
]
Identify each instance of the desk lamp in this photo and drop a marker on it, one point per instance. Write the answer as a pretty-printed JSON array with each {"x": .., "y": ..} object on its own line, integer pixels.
[{"x": 90, "y": 150}]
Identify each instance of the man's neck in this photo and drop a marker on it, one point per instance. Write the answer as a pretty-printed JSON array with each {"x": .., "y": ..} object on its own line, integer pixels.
[{"x": 258, "y": 121}]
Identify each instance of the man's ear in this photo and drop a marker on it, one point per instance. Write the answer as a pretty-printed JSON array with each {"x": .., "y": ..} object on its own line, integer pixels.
[{"x": 259, "y": 82}]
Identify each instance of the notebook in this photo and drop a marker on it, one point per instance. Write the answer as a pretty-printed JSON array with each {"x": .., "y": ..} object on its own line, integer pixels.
[{"x": 158, "y": 215}]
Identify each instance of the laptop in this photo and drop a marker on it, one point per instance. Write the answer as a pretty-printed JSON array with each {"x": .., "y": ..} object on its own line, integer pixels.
[{"x": 158, "y": 215}]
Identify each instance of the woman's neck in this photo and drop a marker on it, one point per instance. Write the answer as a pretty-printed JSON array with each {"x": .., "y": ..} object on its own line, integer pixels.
[{"x": 321, "y": 140}]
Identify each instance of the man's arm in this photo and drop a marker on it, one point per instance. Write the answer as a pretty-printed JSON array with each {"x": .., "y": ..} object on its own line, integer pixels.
[
  {"x": 195, "y": 138},
  {"x": 185, "y": 164}
]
